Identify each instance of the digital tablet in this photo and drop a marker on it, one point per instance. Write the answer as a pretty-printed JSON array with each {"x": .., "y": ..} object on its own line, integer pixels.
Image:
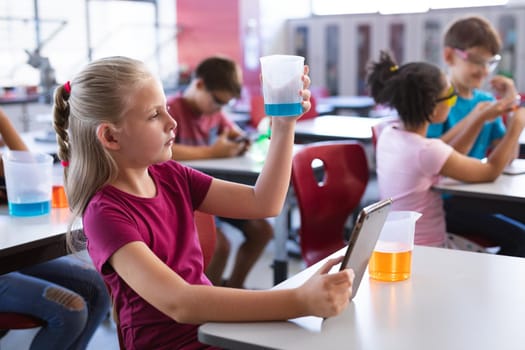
[{"x": 364, "y": 236}]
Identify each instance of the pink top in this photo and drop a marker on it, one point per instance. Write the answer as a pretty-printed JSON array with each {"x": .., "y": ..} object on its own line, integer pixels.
[
  {"x": 407, "y": 166},
  {"x": 165, "y": 224},
  {"x": 196, "y": 129}
]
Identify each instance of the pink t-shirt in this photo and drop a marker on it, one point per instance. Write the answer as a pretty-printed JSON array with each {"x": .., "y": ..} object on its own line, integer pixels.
[
  {"x": 165, "y": 224},
  {"x": 407, "y": 167},
  {"x": 196, "y": 129}
]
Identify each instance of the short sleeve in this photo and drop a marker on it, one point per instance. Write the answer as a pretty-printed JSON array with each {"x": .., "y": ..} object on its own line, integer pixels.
[
  {"x": 433, "y": 156},
  {"x": 107, "y": 228}
]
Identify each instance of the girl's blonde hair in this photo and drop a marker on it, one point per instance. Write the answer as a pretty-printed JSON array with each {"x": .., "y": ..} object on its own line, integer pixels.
[{"x": 101, "y": 92}]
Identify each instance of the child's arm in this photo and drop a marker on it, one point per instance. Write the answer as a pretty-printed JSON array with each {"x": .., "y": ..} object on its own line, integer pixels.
[
  {"x": 9, "y": 134},
  {"x": 323, "y": 295},
  {"x": 463, "y": 135},
  {"x": 10, "y": 137},
  {"x": 266, "y": 198},
  {"x": 461, "y": 167}
]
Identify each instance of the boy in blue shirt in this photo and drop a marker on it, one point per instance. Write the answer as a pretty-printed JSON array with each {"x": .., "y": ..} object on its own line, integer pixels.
[{"x": 475, "y": 125}]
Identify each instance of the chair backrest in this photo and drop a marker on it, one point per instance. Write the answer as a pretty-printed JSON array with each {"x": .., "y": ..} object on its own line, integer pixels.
[
  {"x": 329, "y": 180},
  {"x": 378, "y": 128},
  {"x": 312, "y": 112},
  {"x": 256, "y": 110},
  {"x": 207, "y": 234}
]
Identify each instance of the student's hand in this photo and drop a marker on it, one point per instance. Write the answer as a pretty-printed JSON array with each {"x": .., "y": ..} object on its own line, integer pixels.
[
  {"x": 504, "y": 87},
  {"x": 305, "y": 94},
  {"x": 224, "y": 147},
  {"x": 326, "y": 295},
  {"x": 489, "y": 111},
  {"x": 238, "y": 136}
]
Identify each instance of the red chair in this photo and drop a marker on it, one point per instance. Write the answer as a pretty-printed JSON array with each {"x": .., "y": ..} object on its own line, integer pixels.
[
  {"x": 13, "y": 320},
  {"x": 207, "y": 234},
  {"x": 312, "y": 112},
  {"x": 329, "y": 180}
]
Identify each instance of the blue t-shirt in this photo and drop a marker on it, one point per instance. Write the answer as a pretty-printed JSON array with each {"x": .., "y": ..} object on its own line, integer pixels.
[{"x": 491, "y": 131}]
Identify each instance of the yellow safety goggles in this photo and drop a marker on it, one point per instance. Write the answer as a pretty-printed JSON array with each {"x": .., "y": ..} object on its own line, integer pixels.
[{"x": 451, "y": 97}]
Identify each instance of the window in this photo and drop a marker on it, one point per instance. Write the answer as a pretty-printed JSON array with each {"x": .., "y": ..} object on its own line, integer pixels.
[{"x": 68, "y": 33}]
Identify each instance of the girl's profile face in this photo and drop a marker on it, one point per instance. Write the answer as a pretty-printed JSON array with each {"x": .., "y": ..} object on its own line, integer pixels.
[{"x": 147, "y": 131}]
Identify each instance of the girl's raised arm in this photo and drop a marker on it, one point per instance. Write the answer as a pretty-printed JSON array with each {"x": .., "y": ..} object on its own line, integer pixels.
[{"x": 266, "y": 198}]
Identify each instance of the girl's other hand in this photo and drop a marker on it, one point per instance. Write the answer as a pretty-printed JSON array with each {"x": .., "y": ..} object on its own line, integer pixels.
[
  {"x": 325, "y": 294},
  {"x": 491, "y": 110}
]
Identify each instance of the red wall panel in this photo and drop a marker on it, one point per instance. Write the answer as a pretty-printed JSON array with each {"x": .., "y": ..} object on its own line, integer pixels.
[{"x": 208, "y": 28}]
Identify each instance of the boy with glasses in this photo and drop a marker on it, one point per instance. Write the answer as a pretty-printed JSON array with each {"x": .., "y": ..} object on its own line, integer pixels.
[
  {"x": 202, "y": 132},
  {"x": 474, "y": 124}
]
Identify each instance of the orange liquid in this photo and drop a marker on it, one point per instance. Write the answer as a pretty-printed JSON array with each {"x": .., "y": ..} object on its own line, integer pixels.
[
  {"x": 59, "y": 199},
  {"x": 390, "y": 267}
]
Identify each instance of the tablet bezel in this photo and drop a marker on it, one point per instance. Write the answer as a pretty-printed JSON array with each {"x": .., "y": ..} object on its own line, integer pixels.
[{"x": 375, "y": 215}]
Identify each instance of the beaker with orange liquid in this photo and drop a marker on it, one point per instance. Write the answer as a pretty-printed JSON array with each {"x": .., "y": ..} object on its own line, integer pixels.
[
  {"x": 58, "y": 198},
  {"x": 391, "y": 260}
]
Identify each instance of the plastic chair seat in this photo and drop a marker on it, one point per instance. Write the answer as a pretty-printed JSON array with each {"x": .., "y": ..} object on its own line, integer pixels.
[{"x": 14, "y": 320}]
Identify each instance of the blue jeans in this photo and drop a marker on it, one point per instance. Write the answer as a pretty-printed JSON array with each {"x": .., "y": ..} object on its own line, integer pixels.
[{"x": 66, "y": 292}]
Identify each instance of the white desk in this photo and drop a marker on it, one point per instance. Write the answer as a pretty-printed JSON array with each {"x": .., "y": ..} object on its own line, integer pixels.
[
  {"x": 27, "y": 241},
  {"x": 505, "y": 195},
  {"x": 358, "y": 104},
  {"x": 335, "y": 127},
  {"x": 453, "y": 300},
  {"x": 243, "y": 169}
]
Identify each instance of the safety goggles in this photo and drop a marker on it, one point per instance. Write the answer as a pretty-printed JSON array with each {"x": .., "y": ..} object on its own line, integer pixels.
[
  {"x": 489, "y": 64},
  {"x": 451, "y": 97},
  {"x": 217, "y": 100}
]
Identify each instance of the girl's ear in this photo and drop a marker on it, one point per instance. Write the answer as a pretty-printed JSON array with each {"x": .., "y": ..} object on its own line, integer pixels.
[
  {"x": 448, "y": 55},
  {"x": 107, "y": 135}
]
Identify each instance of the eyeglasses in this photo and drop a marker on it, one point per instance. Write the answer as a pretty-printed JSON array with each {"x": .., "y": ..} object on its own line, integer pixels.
[
  {"x": 217, "y": 100},
  {"x": 489, "y": 64},
  {"x": 451, "y": 97}
]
